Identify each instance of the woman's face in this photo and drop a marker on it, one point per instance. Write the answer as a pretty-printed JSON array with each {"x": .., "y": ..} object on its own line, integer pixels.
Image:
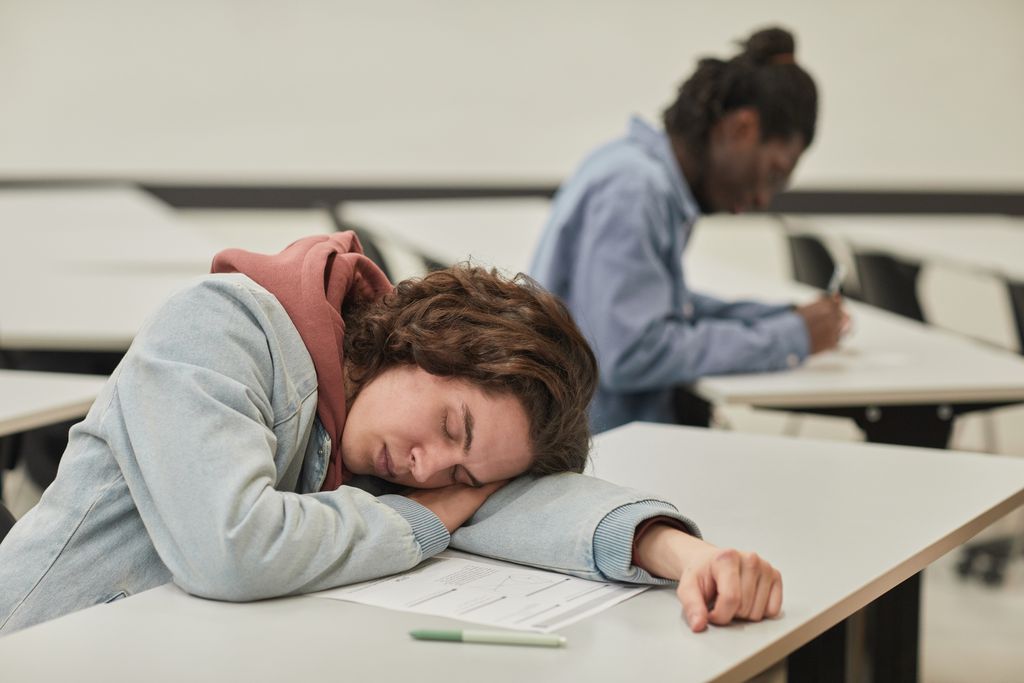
[{"x": 419, "y": 430}]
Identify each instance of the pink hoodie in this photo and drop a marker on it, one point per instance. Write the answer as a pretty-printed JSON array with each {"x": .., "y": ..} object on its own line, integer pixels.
[{"x": 311, "y": 278}]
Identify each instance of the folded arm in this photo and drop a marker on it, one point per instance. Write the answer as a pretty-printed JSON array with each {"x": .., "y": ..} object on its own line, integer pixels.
[{"x": 192, "y": 427}]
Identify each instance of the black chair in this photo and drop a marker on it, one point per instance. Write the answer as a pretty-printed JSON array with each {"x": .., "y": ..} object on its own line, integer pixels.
[
  {"x": 366, "y": 238},
  {"x": 6, "y": 520},
  {"x": 1016, "y": 290},
  {"x": 889, "y": 283},
  {"x": 812, "y": 263},
  {"x": 988, "y": 559},
  {"x": 372, "y": 249}
]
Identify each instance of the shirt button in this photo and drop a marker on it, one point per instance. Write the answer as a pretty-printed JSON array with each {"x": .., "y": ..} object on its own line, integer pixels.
[
  {"x": 792, "y": 360},
  {"x": 320, "y": 451}
]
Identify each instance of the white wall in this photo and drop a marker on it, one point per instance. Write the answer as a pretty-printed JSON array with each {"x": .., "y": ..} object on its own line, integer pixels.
[{"x": 916, "y": 94}]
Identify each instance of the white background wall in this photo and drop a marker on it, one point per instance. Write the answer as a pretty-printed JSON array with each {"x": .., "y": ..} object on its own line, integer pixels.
[{"x": 916, "y": 93}]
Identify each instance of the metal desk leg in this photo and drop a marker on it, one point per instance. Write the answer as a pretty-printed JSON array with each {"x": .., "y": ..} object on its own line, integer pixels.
[
  {"x": 822, "y": 659},
  {"x": 893, "y": 633},
  {"x": 927, "y": 426}
]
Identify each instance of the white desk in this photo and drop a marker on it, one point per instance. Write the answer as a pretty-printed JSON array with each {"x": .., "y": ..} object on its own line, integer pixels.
[
  {"x": 889, "y": 367},
  {"x": 492, "y": 232},
  {"x": 83, "y": 269},
  {"x": 35, "y": 399},
  {"x": 98, "y": 228},
  {"x": 799, "y": 502},
  {"x": 901, "y": 381}
]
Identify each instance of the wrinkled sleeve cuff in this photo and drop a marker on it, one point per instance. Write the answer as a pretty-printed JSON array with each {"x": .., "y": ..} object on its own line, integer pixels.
[
  {"x": 613, "y": 539},
  {"x": 430, "y": 532},
  {"x": 794, "y": 344}
]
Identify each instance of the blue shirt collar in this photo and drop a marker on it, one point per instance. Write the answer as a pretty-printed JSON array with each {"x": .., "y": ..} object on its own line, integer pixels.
[{"x": 657, "y": 143}]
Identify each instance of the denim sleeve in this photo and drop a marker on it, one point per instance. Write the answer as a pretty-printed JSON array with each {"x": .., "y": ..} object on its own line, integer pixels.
[
  {"x": 570, "y": 523},
  {"x": 624, "y": 292},
  {"x": 429, "y": 530},
  {"x": 706, "y": 306},
  {"x": 190, "y": 426},
  {"x": 615, "y": 535}
]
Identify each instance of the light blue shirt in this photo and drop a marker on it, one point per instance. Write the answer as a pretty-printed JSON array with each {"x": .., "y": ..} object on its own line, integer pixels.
[
  {"x": 612, "y": 249},
  {"x": 201, "y": 463}
]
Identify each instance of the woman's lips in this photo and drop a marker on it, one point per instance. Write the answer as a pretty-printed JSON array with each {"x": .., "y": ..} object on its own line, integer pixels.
[{"x": 383, "y": 464}]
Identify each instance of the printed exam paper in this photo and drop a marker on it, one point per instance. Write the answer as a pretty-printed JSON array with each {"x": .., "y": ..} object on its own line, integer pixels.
[{"x": 491, "y": 592}]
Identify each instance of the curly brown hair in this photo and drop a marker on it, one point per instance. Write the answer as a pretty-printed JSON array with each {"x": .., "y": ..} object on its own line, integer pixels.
[{"x": 506, "y": 336}]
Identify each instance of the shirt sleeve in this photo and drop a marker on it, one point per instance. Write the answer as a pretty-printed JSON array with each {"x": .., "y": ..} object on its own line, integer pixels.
[
  {"x": 707, "y": 306},
  {"x": 570, "y": 523},
  {"x": 624, "y": 294},
  {"x": 191, "y": 425}
]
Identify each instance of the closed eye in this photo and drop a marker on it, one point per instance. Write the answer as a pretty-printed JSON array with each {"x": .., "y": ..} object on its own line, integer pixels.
[{"x": 472, "y": 480}]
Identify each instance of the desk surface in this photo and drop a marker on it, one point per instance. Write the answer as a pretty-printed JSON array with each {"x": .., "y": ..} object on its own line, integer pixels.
[
  {"x": 100, "y": 227},
  {"x": 34, "y": 399},
  {"x": 87, "y": 267},
  {"x": 886, "y": 360},
  {"x": 801, "y": 503}
]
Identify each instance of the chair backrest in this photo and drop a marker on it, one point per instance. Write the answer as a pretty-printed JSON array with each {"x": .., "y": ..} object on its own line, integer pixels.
[
  {"x": 366, "y": 239},
  {"x": 371, "y": 250},
  {"x": 6, "y": 520},
  {"x": 1017, "y": 300},
  {"x": 376, "y": 245},
  {"x": 812, "y": 262},
  {"x": 889, "y": 283}
]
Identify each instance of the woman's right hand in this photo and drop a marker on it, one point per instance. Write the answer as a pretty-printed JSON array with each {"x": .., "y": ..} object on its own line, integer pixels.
[
  {"x": 716, "y": 585},
  {"x": 453, "y": 504}
]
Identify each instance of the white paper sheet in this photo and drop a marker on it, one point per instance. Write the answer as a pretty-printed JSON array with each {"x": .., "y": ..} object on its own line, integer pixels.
[{"x": 488, "y": 592}]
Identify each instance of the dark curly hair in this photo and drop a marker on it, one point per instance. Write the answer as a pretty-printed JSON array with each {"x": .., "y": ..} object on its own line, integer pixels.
[
  {"x": 506, "y": 336},
  {"x": 764, "y": 76}
]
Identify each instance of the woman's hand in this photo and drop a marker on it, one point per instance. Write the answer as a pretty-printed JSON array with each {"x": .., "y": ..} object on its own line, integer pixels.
[
  {"x": 730, "y": 583},
  {"x": 453, "y": 504}
]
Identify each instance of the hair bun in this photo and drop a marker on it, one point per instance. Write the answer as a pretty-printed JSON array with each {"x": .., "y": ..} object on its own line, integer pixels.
[{"x": 770, "y": 45}]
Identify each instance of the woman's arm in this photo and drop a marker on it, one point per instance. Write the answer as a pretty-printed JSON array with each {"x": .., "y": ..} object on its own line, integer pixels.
[
  {"x": 586, "y": 527},
  {"x": 571, "y": 523}
]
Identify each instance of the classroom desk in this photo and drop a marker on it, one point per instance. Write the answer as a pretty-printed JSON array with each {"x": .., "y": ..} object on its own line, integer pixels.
[
  {"x": 35, "y": 399},
  {"x": 801, "y": 503},
  {"x": 989, "y": 245},
  {"x": 493, "y": 232},
  {"x": 83, "y": 269},
  {"x": 901, "y": 381},
  {"x": 95, "y": 227}
]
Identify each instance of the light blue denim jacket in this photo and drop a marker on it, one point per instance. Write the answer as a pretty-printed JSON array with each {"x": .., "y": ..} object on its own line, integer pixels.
[
  {"x": 612, "y": 250},
  {"x": 201, "y": 463}
]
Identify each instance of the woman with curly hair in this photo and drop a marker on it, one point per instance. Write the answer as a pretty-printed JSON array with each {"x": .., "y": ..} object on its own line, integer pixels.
[{"x": 293, "y": 423}]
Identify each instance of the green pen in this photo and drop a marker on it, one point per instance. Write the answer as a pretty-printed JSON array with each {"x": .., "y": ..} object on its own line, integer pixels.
[{"x": 494, "y": 637}]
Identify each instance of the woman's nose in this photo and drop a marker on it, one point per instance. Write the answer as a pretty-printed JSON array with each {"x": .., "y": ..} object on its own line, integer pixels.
[{"x": 429, "y": 460}]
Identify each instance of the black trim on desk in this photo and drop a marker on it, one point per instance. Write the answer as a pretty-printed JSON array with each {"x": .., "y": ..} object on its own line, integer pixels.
[
  {"x": 284, "y": 196},
  {"x": 867, "y": 201},
  {"x": 288, "y": 197},
  {"x": 800, "y": 201}
]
